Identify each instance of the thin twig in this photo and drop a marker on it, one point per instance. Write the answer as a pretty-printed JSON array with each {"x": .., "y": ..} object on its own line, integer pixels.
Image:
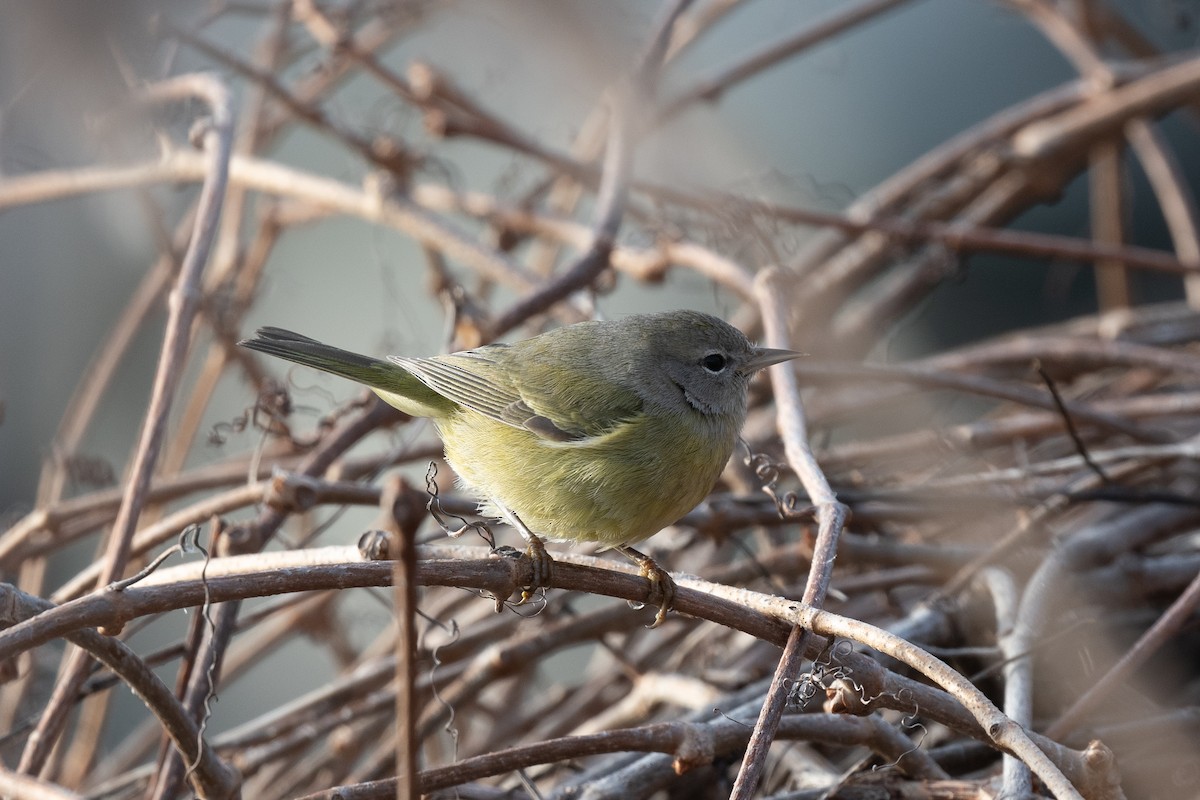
[
  {"x": 1072, "y": 431},
  {"x": 627, "y": 102}
]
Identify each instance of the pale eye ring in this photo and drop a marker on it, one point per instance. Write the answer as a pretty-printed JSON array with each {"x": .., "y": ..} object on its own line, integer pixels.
[{"x": 713, "y": 362}]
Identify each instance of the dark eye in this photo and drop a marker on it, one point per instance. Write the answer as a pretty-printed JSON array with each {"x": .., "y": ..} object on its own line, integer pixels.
[{"x": 713, "y": 362}]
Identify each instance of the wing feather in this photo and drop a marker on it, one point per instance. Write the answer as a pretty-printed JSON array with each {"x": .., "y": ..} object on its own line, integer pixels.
[{"x": 524, "y": 390}]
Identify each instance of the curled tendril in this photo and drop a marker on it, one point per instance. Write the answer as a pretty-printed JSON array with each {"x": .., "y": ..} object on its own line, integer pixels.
[
  {"x": 911, "y": 722},
  {"x": 764, "y": 468},
  {"x": 443, "y": 517},
  {"x": 825, "y": 671},
  {"x": 839, "y": 648},
  {"x": 220, "y": 432},
  {"x": 435, "y": 661},
  {"x": 523, "y": 608},
  {"x": 802, "y": 691},
  {"x": 768, "y": 472},
  {"x": 189, "y": 541}
]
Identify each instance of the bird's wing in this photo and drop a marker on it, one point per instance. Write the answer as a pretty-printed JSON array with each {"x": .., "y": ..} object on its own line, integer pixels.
[
  {"x": 468, "y": 379},
  {"x": 553, "y": 399}
]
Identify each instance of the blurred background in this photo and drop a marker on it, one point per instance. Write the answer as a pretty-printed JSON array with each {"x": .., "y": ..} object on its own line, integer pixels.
[
  {"x": 813, "y": 131},
  {"x": 881, "y": 88}
]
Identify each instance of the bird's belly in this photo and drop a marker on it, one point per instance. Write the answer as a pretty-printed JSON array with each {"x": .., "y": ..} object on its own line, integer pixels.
[{"x": 614, "y": 489}]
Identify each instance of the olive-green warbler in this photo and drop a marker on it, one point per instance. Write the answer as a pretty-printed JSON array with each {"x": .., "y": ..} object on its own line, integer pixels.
[{"x": 600, "y": 431}]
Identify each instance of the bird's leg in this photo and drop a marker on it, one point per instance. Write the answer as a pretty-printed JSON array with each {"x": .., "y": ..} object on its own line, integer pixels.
[
  {"x": 535, "y": 551},
  {"x": 662, "y": 585}
]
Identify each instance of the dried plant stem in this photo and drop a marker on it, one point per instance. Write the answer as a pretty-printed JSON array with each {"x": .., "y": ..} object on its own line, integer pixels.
[
  {"x": 213, "y": 780},
  {"x": 1008, "y": 735},
  {"x": 239, "y": 577},
  {"x": 366, "y": 204},
  {"x": 183, "y": 303},
  {"x": 831, "y": 518},
  {"x": 710, "y": 89}
]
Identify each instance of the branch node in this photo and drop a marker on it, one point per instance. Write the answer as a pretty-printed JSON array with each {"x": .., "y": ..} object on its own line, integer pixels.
[
  {"x": 290, "y": 492},
  {"x": 696, "y": 748}
]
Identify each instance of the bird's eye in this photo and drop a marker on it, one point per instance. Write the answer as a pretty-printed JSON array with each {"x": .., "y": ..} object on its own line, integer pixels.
[{"x": 713, "y": 362}]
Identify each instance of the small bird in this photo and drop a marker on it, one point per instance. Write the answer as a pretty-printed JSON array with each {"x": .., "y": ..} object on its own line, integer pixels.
[{"x": 602, "y": 431}]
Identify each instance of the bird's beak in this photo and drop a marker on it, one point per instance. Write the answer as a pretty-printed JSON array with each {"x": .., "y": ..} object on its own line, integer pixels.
[{"x": 765, "y": 357}]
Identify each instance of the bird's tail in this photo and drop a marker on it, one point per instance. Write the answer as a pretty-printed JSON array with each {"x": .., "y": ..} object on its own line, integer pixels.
[
  {"x": 311, "y": 353},
  {"x": 390, "y": 381}
]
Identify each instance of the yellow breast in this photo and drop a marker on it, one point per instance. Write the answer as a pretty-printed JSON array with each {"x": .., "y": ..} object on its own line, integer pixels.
[{"x": 618, "y": 488}]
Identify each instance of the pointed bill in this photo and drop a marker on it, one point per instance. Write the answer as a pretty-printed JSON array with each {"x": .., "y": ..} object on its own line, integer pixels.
[{"x": 765, "y": 357}]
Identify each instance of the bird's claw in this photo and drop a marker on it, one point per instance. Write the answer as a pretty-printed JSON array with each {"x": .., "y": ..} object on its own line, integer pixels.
[
  {"x": 662, "y": 588},
  {"x": 541, "y": 566}
]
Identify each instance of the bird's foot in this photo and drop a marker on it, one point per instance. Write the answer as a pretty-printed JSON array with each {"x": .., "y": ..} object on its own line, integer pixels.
[
  {"x": 541, "y": 566},
  {"x": 662, "y": 585}
]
